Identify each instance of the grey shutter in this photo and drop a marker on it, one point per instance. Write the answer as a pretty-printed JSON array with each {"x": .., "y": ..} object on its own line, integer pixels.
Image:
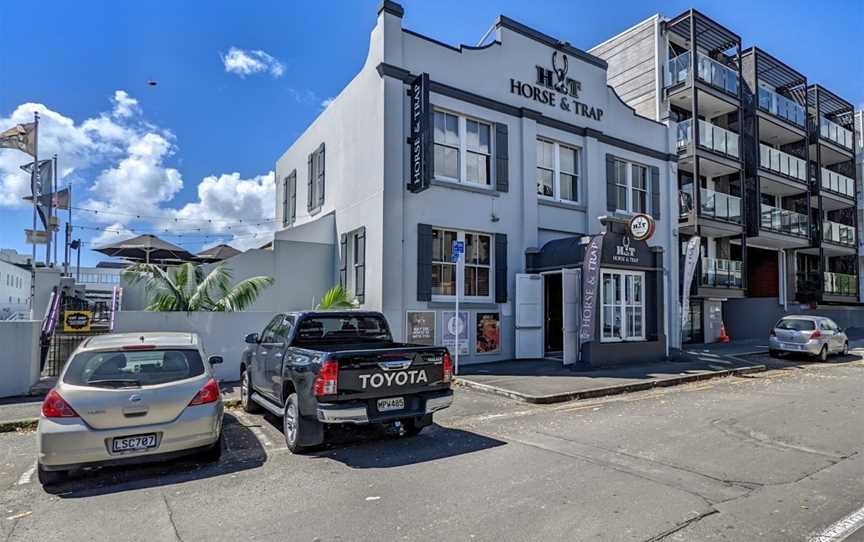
[
  {"x": 309, "y": 183},
  {"x": 360, "y": 259},
  {"x": 429, "y": 148},
  {"x": 502, "y": 170},
  {"x": 343, "y": 260},
  {"x": 286, "y": 188},
  {"x": 424, "y": 262},
  {"x": 611, "y": 189},
  {"x": 321, "y": 175},
  {"x": 500, "y": 268},
  {"x": 655, "y": 193},
  {"x": 293, "y": 198}
]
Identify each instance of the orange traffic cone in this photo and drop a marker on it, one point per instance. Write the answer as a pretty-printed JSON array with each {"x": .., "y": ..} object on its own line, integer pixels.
[{"x": 723, "y": 337}]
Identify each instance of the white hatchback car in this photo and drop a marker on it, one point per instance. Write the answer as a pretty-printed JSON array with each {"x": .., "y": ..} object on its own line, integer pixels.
[{"x": 130, "y": 397}]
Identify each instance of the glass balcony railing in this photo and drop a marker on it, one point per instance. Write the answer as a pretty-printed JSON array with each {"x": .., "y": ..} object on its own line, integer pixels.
[
  {"x": 782, "y": 107},
  {"x": 708, "y": 70},
  {"x": 710, "y": 136},
  {"x": 783, "y": 163},
  {"x": 721, "y": 273},
  {"x": 719, "y": 205},
  {"x": 841, "y": 234},
  {"x": 836, "y": 133},
  {"x": 784, "y": 221},
  {"x": 840, "y": 283},
  {"x": 840, "y": 184}
]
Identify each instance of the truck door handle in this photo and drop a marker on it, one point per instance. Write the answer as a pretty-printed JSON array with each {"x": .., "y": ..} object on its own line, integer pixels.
[{"x": 396, "y": 365}]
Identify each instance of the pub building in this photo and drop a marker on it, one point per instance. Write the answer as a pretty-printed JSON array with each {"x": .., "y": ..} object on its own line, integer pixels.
[{"x": 509, "y": 172}]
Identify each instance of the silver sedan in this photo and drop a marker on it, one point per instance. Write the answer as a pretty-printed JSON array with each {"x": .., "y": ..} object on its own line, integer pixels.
[
  {"x": 814, "y": 335},
  {"x": 132, "y": 397}
]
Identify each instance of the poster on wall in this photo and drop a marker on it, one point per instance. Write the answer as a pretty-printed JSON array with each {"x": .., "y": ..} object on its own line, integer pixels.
[
  {"x": 453, "y": 327},
  {"x": 420, "y": 327},
  {"x": 488, "y": 337}
]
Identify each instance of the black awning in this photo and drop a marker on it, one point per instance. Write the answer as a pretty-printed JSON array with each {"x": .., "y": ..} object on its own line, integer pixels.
[
  {"x": 619, "y": 250},
  {"x": 558, "y": 254}
]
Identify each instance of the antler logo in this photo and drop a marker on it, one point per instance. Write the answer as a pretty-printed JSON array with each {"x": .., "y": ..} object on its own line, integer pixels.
[
  {"x": 556, "y": 79},
  {"x": 560, "y": 72}
]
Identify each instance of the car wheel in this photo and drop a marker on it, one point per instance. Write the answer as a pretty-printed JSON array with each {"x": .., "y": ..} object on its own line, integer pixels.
[
  {"x": 823, "y": 354},
  {"x": 774, "y": 353},
  {"x": 213, "y": 453},
  {"x": 845, "y": 351},
  {"x": 246, "y": 401},
  {"x": 50, "y": 477},
  {"x": 293, "y": 424}
]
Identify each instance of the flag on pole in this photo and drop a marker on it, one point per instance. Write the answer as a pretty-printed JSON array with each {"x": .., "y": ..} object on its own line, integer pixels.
[
  {"x": 21, "y": 137},
  {"x": 43, "y": 180},
  {"x": 58, "y": 199}
]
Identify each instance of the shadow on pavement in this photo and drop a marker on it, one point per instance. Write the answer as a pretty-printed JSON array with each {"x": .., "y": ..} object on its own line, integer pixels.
[
  {"x": 793, "y": 359},
  {"x": 241, "y": 451}
]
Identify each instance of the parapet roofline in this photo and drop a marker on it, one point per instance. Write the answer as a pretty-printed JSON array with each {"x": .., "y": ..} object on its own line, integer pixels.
[{"x": 563, "y": 46}]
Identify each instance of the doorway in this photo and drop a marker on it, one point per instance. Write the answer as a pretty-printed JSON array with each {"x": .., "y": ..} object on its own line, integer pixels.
[{"x": 553, "y": 307}]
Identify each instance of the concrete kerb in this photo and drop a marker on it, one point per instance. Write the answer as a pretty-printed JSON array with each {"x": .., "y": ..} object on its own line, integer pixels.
[{"x": 606, "y": 390}]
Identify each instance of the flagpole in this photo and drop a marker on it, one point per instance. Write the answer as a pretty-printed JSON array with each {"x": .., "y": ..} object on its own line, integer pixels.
[
  {"x": 33, "y": 174},
  {"x": 50, "y": 182},
  {"x": 54, "y": 186}
]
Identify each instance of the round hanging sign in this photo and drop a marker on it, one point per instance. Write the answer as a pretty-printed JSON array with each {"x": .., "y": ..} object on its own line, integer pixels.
[{"x": 641, "y": 227}]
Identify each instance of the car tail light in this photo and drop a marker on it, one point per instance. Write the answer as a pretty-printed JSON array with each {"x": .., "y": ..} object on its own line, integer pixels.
[
  {"x": 208, "y": 394},
  {"x": 55, "y": 406},
  {"x": 816, "y": 334},
  {"x": 448, "y": 368},
  {"x": 139, "y": 347},
  {"x": 326, "y": 383}
]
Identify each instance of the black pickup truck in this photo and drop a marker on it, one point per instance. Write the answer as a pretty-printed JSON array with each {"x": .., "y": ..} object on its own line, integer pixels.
[{"x": 341, "y": 367}]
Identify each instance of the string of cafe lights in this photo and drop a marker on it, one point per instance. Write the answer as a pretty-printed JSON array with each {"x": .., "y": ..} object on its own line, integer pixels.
[
  {"x": 203, "y": 241},
  {"x": 165, "y": 232},
  {"x": 238, "y": 221}
]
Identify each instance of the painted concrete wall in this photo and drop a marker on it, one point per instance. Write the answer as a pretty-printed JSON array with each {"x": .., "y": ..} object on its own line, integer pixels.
[
  {"x": 740, "y": 314},
  {"x": 19, "y": 356},
  {"x": 14, "y": 288},
  {"x": 221, "y": 333}
]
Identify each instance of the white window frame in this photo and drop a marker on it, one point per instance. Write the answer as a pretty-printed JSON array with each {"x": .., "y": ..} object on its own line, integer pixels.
[
  {"x": 629, "y": 186},
  {"x": 621, "y": 308},
  {"x": 556, "y": 172},
  {"x": 463, "y": 150},
  {"x": 460, "y": 267}
]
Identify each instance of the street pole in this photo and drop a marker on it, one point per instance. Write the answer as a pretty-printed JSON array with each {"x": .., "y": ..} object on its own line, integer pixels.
[
  {"x": 56, "y": 210},
  {"x": 458, "y": 331},
  {"x": 78, "y": 270},
  {"x": 33, "y": 175}
]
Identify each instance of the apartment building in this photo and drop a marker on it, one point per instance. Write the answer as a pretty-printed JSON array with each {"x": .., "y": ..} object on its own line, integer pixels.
[{"x": 766, "y": 170}]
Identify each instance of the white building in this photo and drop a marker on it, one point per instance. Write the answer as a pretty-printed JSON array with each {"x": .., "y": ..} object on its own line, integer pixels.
[
  {"x": 14, "y": 289},
  {"x": 517, "y": 148}
]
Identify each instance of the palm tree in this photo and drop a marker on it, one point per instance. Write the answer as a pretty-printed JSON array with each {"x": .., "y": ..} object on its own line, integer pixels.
[
  {"x": 190, "y": 289},
  {"x": 337, "y": 297}
]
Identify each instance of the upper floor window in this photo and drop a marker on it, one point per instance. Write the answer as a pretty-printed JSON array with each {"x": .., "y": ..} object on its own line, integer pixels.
[
  {"x": 557, "y": 171},
  {"x": 476, "y": 264},
  {"x": 315, "y": 182},
  {"x": 463, "y": 149},
  {"x": 631, "y": 183},
  {"x": 289, "y": 198}
]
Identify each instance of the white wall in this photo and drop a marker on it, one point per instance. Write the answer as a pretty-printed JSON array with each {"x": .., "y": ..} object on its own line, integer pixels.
[
  {"x": 221, "y": 333},
  {"x": 19, "y": 356},
  {"x": 14, "y": 288}
]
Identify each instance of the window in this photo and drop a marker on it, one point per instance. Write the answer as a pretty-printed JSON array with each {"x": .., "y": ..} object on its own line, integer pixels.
[
  {"x": 289, "y": 198},
  {"x": 352, "y": 263},
  {"x": 315, "y": 182},
  {"x": 557, "y": 171},
  {"x": 476, "y": 264},
  {"x": 623, "y": 315},
  {"x": 132, "y": 369},
  {"x": 463, "y": 149},
  {"x": 631, "y": 183}
]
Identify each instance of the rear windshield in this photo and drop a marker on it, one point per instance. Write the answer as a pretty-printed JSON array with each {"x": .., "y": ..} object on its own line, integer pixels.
[
  {"x": 132, "y": 369},
  {"x": 341, "y": 329},
  {"x": 796, "y": 324}
]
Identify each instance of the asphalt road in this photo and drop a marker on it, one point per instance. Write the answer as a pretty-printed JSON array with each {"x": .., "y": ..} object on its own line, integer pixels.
[{"x": 773, "y": 456}]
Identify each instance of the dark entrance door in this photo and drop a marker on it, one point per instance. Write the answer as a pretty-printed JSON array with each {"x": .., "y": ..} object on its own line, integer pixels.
[
  {"x": 553, "y": 303},
  {"x": 693, "y": 332}
]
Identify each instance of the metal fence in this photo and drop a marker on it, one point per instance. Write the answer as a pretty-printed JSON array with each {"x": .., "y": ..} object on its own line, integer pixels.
[{"x": 59, "y": 345}]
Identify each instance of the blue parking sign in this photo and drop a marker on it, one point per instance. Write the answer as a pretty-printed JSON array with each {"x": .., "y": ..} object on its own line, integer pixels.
[{"x": 458, "y": 250}]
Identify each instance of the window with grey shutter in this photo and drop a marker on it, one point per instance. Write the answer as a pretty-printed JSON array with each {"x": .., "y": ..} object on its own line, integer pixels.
[
  {"x": 286, "y": 218},
  {"x": 502, "y": 169},
  {"x": 611, "y": 187},
  {"x": 424, "y": 262},
  {"x": 320, "y": 156},
  {"x": 343, "y": 260},
  {"x": 655, "y": 192},
  {"x": 310, "y": 184},
  {"x": 292, "y": 197},
  {"x": 500, "y": 268},
  {"x": 360, "y": 265}
]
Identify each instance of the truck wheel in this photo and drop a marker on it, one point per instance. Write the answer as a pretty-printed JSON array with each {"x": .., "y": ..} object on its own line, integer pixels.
[
  {"x": 293, "y": 425},
  {"x": 50, "y": 477},
  {"x": 413, "y": 426},
  {"x": 246, "y": 401}
]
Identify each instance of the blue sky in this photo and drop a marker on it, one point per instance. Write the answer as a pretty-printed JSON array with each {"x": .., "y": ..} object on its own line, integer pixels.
[{"x": 200, "y": 144}]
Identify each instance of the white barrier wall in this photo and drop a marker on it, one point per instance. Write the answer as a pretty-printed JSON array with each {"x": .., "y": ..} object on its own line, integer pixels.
[
  {"x": 19, "y": 356},
  {"x": 221, "y": 333}
]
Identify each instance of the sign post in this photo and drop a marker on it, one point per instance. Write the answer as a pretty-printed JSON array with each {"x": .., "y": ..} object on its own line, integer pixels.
[{"x": 458, "y": 250}]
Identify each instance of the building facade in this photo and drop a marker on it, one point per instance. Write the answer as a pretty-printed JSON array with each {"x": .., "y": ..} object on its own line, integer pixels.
[
  {"x": 519, "y": 150},
  {"x": 766, "y": 170},
  {"x": 14, "y": 289}
]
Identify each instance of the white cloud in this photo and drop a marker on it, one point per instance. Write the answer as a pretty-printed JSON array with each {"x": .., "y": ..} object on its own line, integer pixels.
[
  {"x": 245, "y": 62},
  {"x": 326, "y": 102},
  {"x": 124, "y": 105},
  {"x": 113, "y": 233}
]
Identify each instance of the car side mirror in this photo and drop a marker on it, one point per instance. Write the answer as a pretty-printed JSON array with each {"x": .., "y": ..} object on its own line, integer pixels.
[
  {"x": 215, "y": 360},
  {"x": 252, "y": 338}
]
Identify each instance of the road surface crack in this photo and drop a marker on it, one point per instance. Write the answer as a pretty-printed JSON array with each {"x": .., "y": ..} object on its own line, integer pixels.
[
  {"x": 681, "y": 526},
  {"x": 171, "y": 519}
]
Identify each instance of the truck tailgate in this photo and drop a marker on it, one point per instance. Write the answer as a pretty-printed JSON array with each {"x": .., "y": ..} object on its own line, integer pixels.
[{"x": 372, "y": 374}]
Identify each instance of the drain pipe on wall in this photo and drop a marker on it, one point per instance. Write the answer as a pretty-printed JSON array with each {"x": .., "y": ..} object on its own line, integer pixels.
[{"x": 783, "y": 278}]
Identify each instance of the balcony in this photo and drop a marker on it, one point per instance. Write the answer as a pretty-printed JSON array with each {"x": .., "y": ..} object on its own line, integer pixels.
[
  {"x": 710, "y": 71},
  {"x": 720, "y": 273},
  {"x": 840, "y": 284},
  {"x": 835, "y": 133},
  {"x": 780, "y": 162},
  {"x": 839, "y": 184},
  {"x": 782, "y": 107},
  {"x": 784, "y": 221},
  {"x": 837, "y": 233},
  {"x": 719, "y": 206},
  {"x": 711, "y": 137}
]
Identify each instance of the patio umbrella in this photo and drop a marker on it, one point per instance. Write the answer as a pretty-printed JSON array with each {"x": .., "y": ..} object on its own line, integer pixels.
[
  {"x": 146, "y": 248},
  {"x": 218, "y": 253}
]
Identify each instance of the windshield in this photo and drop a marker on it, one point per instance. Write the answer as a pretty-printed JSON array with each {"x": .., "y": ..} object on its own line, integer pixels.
[
  {"x": 132, "y": 369},
  {"x": 796, "y": 324},
  {"x": 342, "y": 329}
]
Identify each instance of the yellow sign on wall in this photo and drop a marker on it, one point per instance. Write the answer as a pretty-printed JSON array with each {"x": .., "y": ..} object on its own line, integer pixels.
[{"x": 75, "y": 321}]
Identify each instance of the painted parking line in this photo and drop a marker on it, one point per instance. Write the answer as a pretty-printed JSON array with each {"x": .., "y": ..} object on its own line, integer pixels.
[
  {"x": 27, "y": 476},
  {"x": 254, "y": 425},
  {"x": 841, "y": 530}
]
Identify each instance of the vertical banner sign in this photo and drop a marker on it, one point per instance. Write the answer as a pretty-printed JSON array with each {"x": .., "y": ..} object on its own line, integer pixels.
[
  {"x": 420, "y": 139},
  {"x": 691, "y": 258},
  {"x": 590, "y": 284}
]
